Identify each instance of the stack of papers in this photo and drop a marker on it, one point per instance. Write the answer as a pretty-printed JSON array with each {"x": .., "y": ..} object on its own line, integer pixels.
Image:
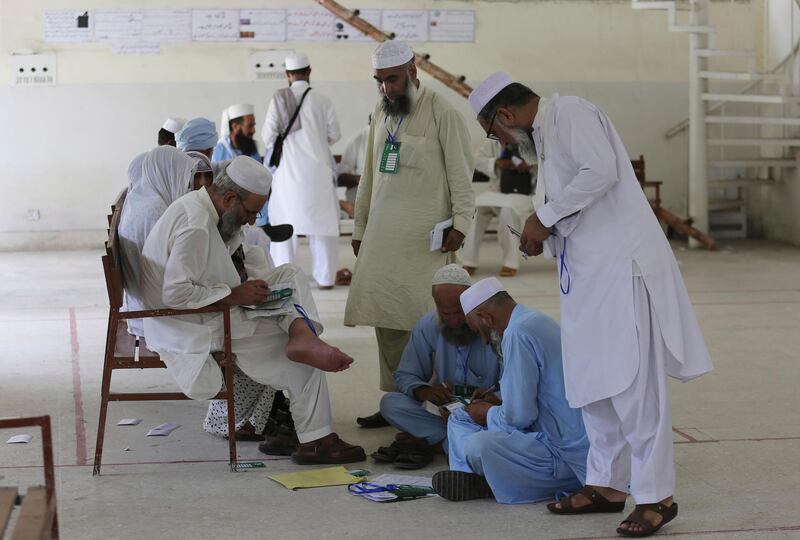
[{"x": 329, "y": 476}]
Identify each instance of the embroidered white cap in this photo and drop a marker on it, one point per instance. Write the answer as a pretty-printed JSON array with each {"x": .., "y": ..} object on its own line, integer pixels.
[
  {"x": 249, "y": 174},
  {"x": 391, "y": 53},
  {"x": 452, "y": 274},
  {"x": 296, "y": 61},
  {"x": 479, "y": 293},
  {"x": 173, "y": 125},
  {"x": 488, "y": 89}
]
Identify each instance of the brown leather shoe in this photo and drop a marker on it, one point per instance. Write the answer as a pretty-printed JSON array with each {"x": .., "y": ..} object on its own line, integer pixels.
[
  {"x": 279, "y": 444},
  {"x": 328, "y": 450}
]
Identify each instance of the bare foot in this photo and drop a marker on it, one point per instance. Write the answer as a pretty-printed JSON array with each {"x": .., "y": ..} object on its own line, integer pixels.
[
  {"x": 654, "y": 518},
  {"x": 578, "y": 500},
  {"x": 306, "y": 348}
]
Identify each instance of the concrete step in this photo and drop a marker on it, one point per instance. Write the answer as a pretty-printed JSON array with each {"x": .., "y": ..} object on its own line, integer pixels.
[
  {"x": 752, "y": 98},
  {"x": 740, "y": 182},
  {"x": 754, "y": 142},
  {"x": 754, "y": 120},
  {"x": 741, "y": 76},
  {"x": 725, "y": 204},
  {"x": 725, "y": 53},
  {"x": 753, "y": 163}
]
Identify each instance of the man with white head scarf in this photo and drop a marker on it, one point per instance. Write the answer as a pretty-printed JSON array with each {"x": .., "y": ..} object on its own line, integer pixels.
[
  {"x": 304, "y": 191},
  {"x": 187, "y": 263},
  {"x": 417, "y": 173},
  {"x": 526, "y": 444},
  {"x": 238, "y": 126},
  {"x": 444, "y": 360},
  {"x": 627, "y": 320}
]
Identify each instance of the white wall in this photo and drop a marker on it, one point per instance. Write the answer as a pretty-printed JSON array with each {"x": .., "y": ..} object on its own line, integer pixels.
[{"x": 64, "y": 150}]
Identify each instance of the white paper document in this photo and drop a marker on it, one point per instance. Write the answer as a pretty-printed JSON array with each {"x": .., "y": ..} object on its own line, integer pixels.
[
  {"x": 310, "y": 24},
  {"x": 406, "y": 24},
  {"x": 437, "y": 234},
  {"x": 434, "y": 408},
  {"x": 163, "y": 430},
  {"x": 262, "y": 25},
  {"x": 68, "y": 26},
  {"x": 452, "y": 25},
  {"x": 215, "y": 24},
  {"x": 20, "y": 439},
  {"x": 129, "y": 422}
]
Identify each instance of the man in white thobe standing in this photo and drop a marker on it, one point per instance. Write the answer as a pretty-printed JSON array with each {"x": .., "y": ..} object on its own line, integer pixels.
[
  {"x": 187, "y": 263},
  {"x": 304, "y": 189},
  {"x": 626, "y": 318}
]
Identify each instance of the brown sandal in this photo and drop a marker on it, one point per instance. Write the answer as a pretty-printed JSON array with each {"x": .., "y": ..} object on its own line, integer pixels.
[
  {"x": 598, "y": 504},
  {"x": 343, "y": 277},
  {"x": 667, "y": 514}
]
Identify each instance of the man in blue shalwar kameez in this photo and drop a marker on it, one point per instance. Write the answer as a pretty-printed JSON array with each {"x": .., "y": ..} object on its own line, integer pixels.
[
  {"x": 444, "y": 358},
  {"x": 531, "y": 445}
]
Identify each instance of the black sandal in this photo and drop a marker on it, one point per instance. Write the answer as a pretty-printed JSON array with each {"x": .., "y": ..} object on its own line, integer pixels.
[
  {"x": 385, "y": 454},
  {"x": 597, "y": 505},
  {"x": 667, "y": 514},
  {"x": 413, "y": 459}
]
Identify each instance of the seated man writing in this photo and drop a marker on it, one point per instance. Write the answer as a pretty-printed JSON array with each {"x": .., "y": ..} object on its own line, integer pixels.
[
  {"x": 186, "y": 264},
  {"x": 531, "y": 445},
  {"x": 444, "y": 358}
]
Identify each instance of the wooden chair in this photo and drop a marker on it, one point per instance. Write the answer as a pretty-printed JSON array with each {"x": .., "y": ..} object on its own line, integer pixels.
[
  {"x": 124, "y": 351},
  {"x": 38, "y": 518},
  {"x": 639, "y": 170}
]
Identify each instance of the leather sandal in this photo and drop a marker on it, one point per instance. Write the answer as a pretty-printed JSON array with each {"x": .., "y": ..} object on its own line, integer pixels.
[
  {"x": 413, "y": 459},
  {"x": 385, "y": 454},
  {"x": 597, "y": 505},
  {"x": 667, "y": 514},
  {"x": 329, "y": 450},
  {"x": 343, "y": 277}
]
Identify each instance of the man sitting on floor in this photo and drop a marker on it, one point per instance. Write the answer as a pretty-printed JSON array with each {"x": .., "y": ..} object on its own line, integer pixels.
[
  {"x": 530, "y": 445},
  {"x": 444, "y": 358},
  {"x": 186, "y": 264}
]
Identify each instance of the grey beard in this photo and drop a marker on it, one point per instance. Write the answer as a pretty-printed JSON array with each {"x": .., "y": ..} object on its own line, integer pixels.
[
  {"x": 525, "y": 146},
  {"x": 228, "y": 225},
  {"x": 496, "y": 340},
  {"x": 460, "y": 336}
]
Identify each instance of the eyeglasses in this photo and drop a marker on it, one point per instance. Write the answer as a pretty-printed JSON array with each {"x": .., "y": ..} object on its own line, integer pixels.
[{"x": 489, "y": 135}]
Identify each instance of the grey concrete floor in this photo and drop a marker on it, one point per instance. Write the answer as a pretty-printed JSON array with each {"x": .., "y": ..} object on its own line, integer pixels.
[{"x": 737, "y": 430}]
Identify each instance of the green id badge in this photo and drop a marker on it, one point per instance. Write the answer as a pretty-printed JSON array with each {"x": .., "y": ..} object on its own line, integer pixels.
[{"x": 390, "y": 160}]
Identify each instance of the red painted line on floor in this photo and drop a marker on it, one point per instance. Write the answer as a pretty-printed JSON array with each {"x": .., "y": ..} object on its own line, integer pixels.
[
  {"x": 698, "y": 533},
  {"x": 750, "y": 439},
  {"x": 686, "y": 436},
  {"x": 174, "y": 462},
  {"x": 80, "y": 425}
]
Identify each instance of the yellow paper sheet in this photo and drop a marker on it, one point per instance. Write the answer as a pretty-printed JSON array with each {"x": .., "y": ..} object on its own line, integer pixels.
[{"x": 330, "y": 476}]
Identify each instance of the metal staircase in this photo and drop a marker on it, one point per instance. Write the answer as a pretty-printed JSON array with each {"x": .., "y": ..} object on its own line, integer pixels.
[{"x": 749, "y": 131}]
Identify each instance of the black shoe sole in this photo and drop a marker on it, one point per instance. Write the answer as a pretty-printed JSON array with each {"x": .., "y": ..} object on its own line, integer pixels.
[{"x": 461, "y": 486}]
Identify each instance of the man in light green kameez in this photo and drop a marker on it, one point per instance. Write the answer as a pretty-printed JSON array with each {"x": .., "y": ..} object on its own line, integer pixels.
[{"x": 417, "y": 173}]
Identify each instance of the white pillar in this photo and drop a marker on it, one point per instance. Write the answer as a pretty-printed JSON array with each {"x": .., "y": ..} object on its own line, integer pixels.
[{"x": 698, "y": 158}]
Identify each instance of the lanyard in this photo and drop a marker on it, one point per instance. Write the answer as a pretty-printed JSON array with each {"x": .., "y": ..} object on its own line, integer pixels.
[
  {"x": 564, "y": 271},
  {"x": 305, "y": 316},
  {"x": 392, "y": 137},
  {"x": 464, "y": 360}
]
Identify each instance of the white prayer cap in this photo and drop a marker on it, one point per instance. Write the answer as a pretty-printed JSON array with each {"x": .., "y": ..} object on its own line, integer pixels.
[
  {"x": 488, "y": 89},
  {"x": 173, "y": 125},
  {"x": 480, "y": 293},
  {"x": 452, "y": 274},
  {"x": 232, "y": 113},
  {"x": 391, "y": 54},
  {"x": 296, "y": 61},
  {"x": 249, "y": 174}
]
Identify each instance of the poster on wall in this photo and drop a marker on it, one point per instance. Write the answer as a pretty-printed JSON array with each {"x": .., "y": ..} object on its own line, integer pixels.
[
  {"x": 167, "y": 25},
  {"x": 215, "y": 24},
  {"x": 407, "y": 24},
  {"x": 310, "y": 24},
  {"x": 345, "y": 32},
  {"x": 118, "y": 26},
  {"x": 262, "y": 25},
  {"x": 68, "y": 26},
  {"x": 452, "y": 25}
]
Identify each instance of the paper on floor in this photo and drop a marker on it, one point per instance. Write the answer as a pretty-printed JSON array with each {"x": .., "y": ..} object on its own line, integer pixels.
[
  {"x": 20, "y": 439},
  {"x": 163, "y": 430},
  {"x": 129, "y": 422},
  {"x": 329, "y": 476},
  {"x": 397, "y": 479}
]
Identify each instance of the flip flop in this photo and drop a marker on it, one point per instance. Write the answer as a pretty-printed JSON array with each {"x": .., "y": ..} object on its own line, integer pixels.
[
  {"x": 411, "y": 460},
  {"x": 598, "y": 504},
  {"x": 667, "y": 514}
]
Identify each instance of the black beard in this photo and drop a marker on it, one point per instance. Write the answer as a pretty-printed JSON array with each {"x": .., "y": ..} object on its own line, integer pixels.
[
  {"x": 460, "y": 336},
  {"x": 246, "y": 145},
  {"x": 399, "y": 107},
  {"x": 228, "y": 225}
]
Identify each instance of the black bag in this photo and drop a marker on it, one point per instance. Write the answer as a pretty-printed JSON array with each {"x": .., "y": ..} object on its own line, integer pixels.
[
  {"x": 516, "y": 182},
  {"x": 277, "y": 148}
]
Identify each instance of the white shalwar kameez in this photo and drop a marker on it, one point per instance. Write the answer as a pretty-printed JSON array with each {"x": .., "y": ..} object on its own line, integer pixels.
[
  {"x": 304, "y": 184},
  {"x": 186, "y": 265},
  {"x": 626, "y": 317}
]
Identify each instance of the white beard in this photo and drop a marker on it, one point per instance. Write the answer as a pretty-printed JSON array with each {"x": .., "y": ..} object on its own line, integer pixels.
[{"x": 525, "y": 146}]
